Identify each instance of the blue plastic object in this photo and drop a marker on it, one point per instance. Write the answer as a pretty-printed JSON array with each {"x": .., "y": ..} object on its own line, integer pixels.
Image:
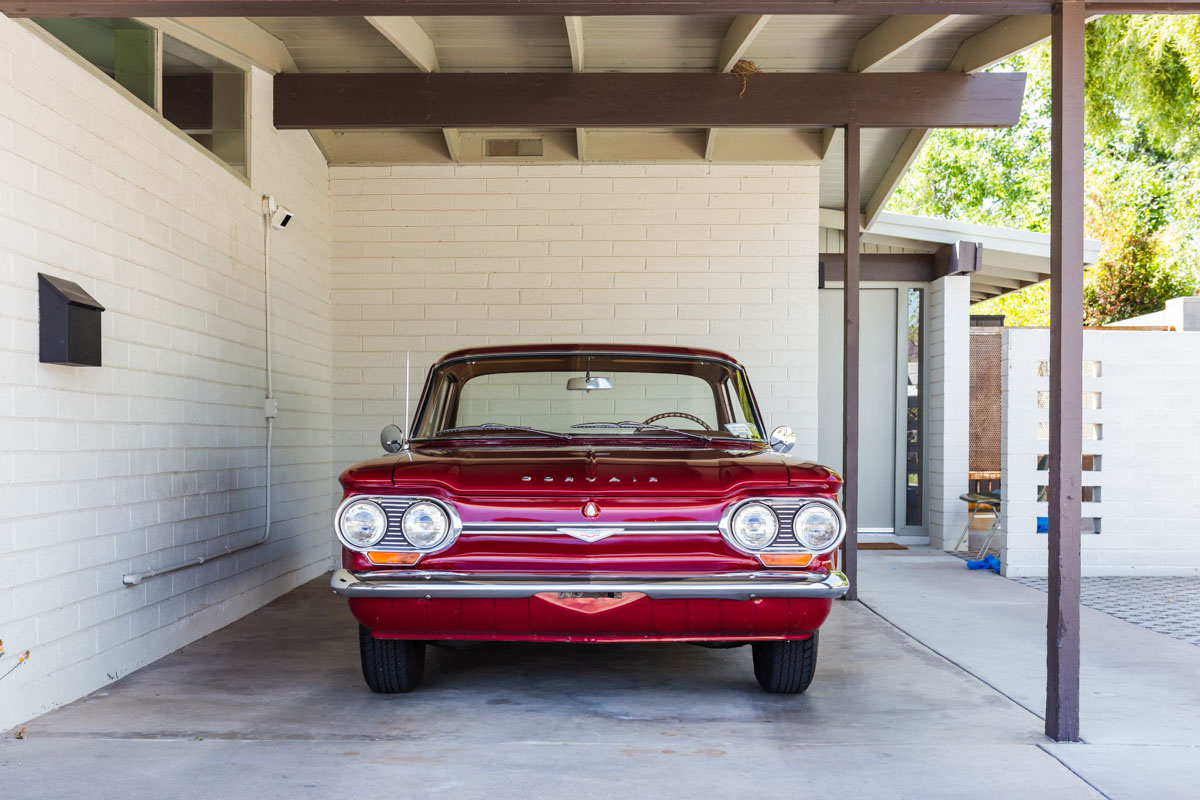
[
  {"x": 987, "y": 562},
  {"x": 1043, "y": 524}
]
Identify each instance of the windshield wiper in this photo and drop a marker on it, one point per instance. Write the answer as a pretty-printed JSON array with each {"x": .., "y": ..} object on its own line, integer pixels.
[
  {"x": 496, "y": 426},
  {"x": 642, "y": 425}
]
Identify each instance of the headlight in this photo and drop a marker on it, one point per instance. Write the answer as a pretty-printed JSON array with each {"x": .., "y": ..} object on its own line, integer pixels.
[
  {"x": 754, "y": 526},
  {"x": 425, "y": 525},
  {"x": 362, "y": 523},
  {"x": 817, "y": 526}
]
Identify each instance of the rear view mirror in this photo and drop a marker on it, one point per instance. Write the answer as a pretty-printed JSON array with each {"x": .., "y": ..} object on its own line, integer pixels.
[{"x": 588, "y": 383}]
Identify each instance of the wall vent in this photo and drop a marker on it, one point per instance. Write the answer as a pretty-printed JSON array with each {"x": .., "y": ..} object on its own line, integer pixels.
[{"x": 513, "y": 148}]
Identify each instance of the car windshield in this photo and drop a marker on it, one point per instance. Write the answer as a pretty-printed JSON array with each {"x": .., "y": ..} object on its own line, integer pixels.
[{"x": 588, "y": 396}]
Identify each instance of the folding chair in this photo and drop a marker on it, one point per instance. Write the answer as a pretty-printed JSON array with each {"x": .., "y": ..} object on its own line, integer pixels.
[{"x": 979, "y": 501}]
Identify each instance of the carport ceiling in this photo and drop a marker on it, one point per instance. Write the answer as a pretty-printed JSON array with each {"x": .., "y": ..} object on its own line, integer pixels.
[
  {"x": 685, "y": 43},
  {"x": 853, "y": 37}
]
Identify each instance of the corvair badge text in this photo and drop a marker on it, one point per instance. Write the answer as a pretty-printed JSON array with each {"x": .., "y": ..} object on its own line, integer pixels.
[{"x": 528, "y": 478}]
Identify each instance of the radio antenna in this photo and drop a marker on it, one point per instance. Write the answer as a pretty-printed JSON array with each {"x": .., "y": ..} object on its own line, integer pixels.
[{"x": 407, "y": 372}]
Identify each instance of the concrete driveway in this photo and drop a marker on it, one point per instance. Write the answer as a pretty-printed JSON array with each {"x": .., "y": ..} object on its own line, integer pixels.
[{"x": 274, "y": 706}]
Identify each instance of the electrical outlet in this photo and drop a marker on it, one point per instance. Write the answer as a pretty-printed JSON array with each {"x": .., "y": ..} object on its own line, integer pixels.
[{"x": 270, "y": 408}]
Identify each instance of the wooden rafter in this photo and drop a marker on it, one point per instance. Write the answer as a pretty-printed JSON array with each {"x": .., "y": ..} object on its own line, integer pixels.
[
  {"x": 892, "y": 37},
  {"x": 638, "y": 99},
  {"x": 741, "y": 34},
  {"x": 575, "y": 40},
  {"x": 453, "y": 143},
  {"x": 410, "y": 39},
  {"x": 998, "y": 42}
]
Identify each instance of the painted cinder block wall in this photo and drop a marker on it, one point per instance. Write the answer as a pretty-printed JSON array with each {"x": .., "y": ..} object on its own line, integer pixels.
[
  {"x": 1140, "y": 418},
  {"x": 431, "y": 259},
  {"x": 158, "y": 455},
  {"x": 948, "y": 430}
]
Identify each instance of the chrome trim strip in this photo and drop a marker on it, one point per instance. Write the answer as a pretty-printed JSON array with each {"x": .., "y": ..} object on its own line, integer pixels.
[
  {"x": 551, "y": 525},
  {"x": 431, "y": 585},
  {"x": 596, "y": 352}
]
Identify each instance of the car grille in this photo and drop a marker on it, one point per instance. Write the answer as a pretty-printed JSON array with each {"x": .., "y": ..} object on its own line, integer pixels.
[
  {"x": 785, "y": 540},
  {"x": 394, "y": 541}
]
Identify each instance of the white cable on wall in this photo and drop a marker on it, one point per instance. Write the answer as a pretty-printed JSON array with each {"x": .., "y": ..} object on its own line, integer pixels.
[{"x": 271, "y": 212}]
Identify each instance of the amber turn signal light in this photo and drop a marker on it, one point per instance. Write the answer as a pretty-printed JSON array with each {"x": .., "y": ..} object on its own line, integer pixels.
[
  {"x": 395, "y": 559},
  {"x": 786, "y": 559}
]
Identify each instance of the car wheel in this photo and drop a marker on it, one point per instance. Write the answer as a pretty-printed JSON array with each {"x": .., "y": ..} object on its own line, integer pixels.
[
  {"x": 390, "y": 665},
  {"x": 785, "y": 667}
]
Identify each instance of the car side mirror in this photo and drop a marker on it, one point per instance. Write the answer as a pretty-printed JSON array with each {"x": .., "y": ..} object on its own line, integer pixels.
[
  {"x": 392, "y": 438},
  {"x": 782, "y": 439}
]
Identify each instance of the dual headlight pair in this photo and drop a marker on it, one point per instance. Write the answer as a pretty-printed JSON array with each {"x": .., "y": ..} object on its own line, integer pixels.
[
  {"x": 363, "y": 523},
  {"x": 817, "y": 526}
]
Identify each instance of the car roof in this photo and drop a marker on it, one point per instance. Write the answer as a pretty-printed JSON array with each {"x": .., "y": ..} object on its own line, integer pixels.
[{"x": 556, "y": 349}]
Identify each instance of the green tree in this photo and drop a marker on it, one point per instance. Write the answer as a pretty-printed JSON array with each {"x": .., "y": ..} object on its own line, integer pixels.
[
  {"x": 985, "y": 176},
  {"x": 1143, "y": 177}
]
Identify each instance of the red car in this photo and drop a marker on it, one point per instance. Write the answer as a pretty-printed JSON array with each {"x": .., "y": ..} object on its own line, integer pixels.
[{"x": 589, "y": 493}]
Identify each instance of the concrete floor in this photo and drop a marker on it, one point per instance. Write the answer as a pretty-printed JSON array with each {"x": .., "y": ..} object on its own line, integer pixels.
[{"x": 275, "y": 706}]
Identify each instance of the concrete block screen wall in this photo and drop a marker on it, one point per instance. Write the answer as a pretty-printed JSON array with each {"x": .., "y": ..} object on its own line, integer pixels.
[
  {"x": 1141, "y": 444},
  {"x": 431, "y": 259},
  {"x": 156, "y": 456}
]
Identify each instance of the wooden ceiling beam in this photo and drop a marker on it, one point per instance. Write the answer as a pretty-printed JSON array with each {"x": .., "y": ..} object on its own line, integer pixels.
[
  {"x": 892, "y": 37},
  {"x": 561, "y": 8},
  {"x": 410, "y": 39},
  {"x": 641, "y": 99},
  {"x": 917, "y": 267}
]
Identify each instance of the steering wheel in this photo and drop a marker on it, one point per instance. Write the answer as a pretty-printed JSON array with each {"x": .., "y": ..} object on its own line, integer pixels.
[{"x": 680, "y": 414}]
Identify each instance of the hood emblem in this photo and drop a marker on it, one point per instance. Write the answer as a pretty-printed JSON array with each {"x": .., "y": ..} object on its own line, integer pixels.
[
  {"x": 591, "y": 510},
  {"x": 590, "y": 535}
]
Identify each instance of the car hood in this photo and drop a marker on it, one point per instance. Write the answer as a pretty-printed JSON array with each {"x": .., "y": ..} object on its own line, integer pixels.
[{"x": 597, "y": 470}]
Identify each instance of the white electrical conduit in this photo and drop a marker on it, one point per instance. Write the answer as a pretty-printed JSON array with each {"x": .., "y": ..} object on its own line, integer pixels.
[{"x": 134, "y": 578}]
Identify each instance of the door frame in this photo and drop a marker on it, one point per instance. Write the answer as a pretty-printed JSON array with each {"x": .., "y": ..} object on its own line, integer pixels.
[{"x": 902, "y": 532}]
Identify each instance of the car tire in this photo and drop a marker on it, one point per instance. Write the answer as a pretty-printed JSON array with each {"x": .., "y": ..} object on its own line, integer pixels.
[
  {"x": 785, "y": 667},
  {"x": 390, "y": 666}
]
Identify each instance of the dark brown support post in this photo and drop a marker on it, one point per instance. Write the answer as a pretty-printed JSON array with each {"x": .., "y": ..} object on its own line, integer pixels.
[
  {"x": 850, "y": 328},
  {"x": 1066, "y": 370}
]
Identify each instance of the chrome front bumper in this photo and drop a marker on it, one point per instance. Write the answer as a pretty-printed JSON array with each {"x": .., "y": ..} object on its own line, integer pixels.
[{"x": 726, "y": 586}]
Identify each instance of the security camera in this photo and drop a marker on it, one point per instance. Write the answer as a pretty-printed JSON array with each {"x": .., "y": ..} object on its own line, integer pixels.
[{"x": 280, "y": 216}]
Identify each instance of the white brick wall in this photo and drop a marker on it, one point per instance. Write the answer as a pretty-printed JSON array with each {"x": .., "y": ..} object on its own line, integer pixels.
[
  {"x": 948, "y": 443},
  {"x": 437, "y": 258},
  {"x": 156, "y": 456},
  {"x": 1149, "y": 449}
]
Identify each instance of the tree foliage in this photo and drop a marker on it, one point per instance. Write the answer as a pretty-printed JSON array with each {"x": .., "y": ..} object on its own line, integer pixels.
[{"x": 1143, "y": 169}]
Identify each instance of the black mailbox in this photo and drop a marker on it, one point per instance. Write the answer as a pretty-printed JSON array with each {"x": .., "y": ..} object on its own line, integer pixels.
[{"x": 70, "y": 323}]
